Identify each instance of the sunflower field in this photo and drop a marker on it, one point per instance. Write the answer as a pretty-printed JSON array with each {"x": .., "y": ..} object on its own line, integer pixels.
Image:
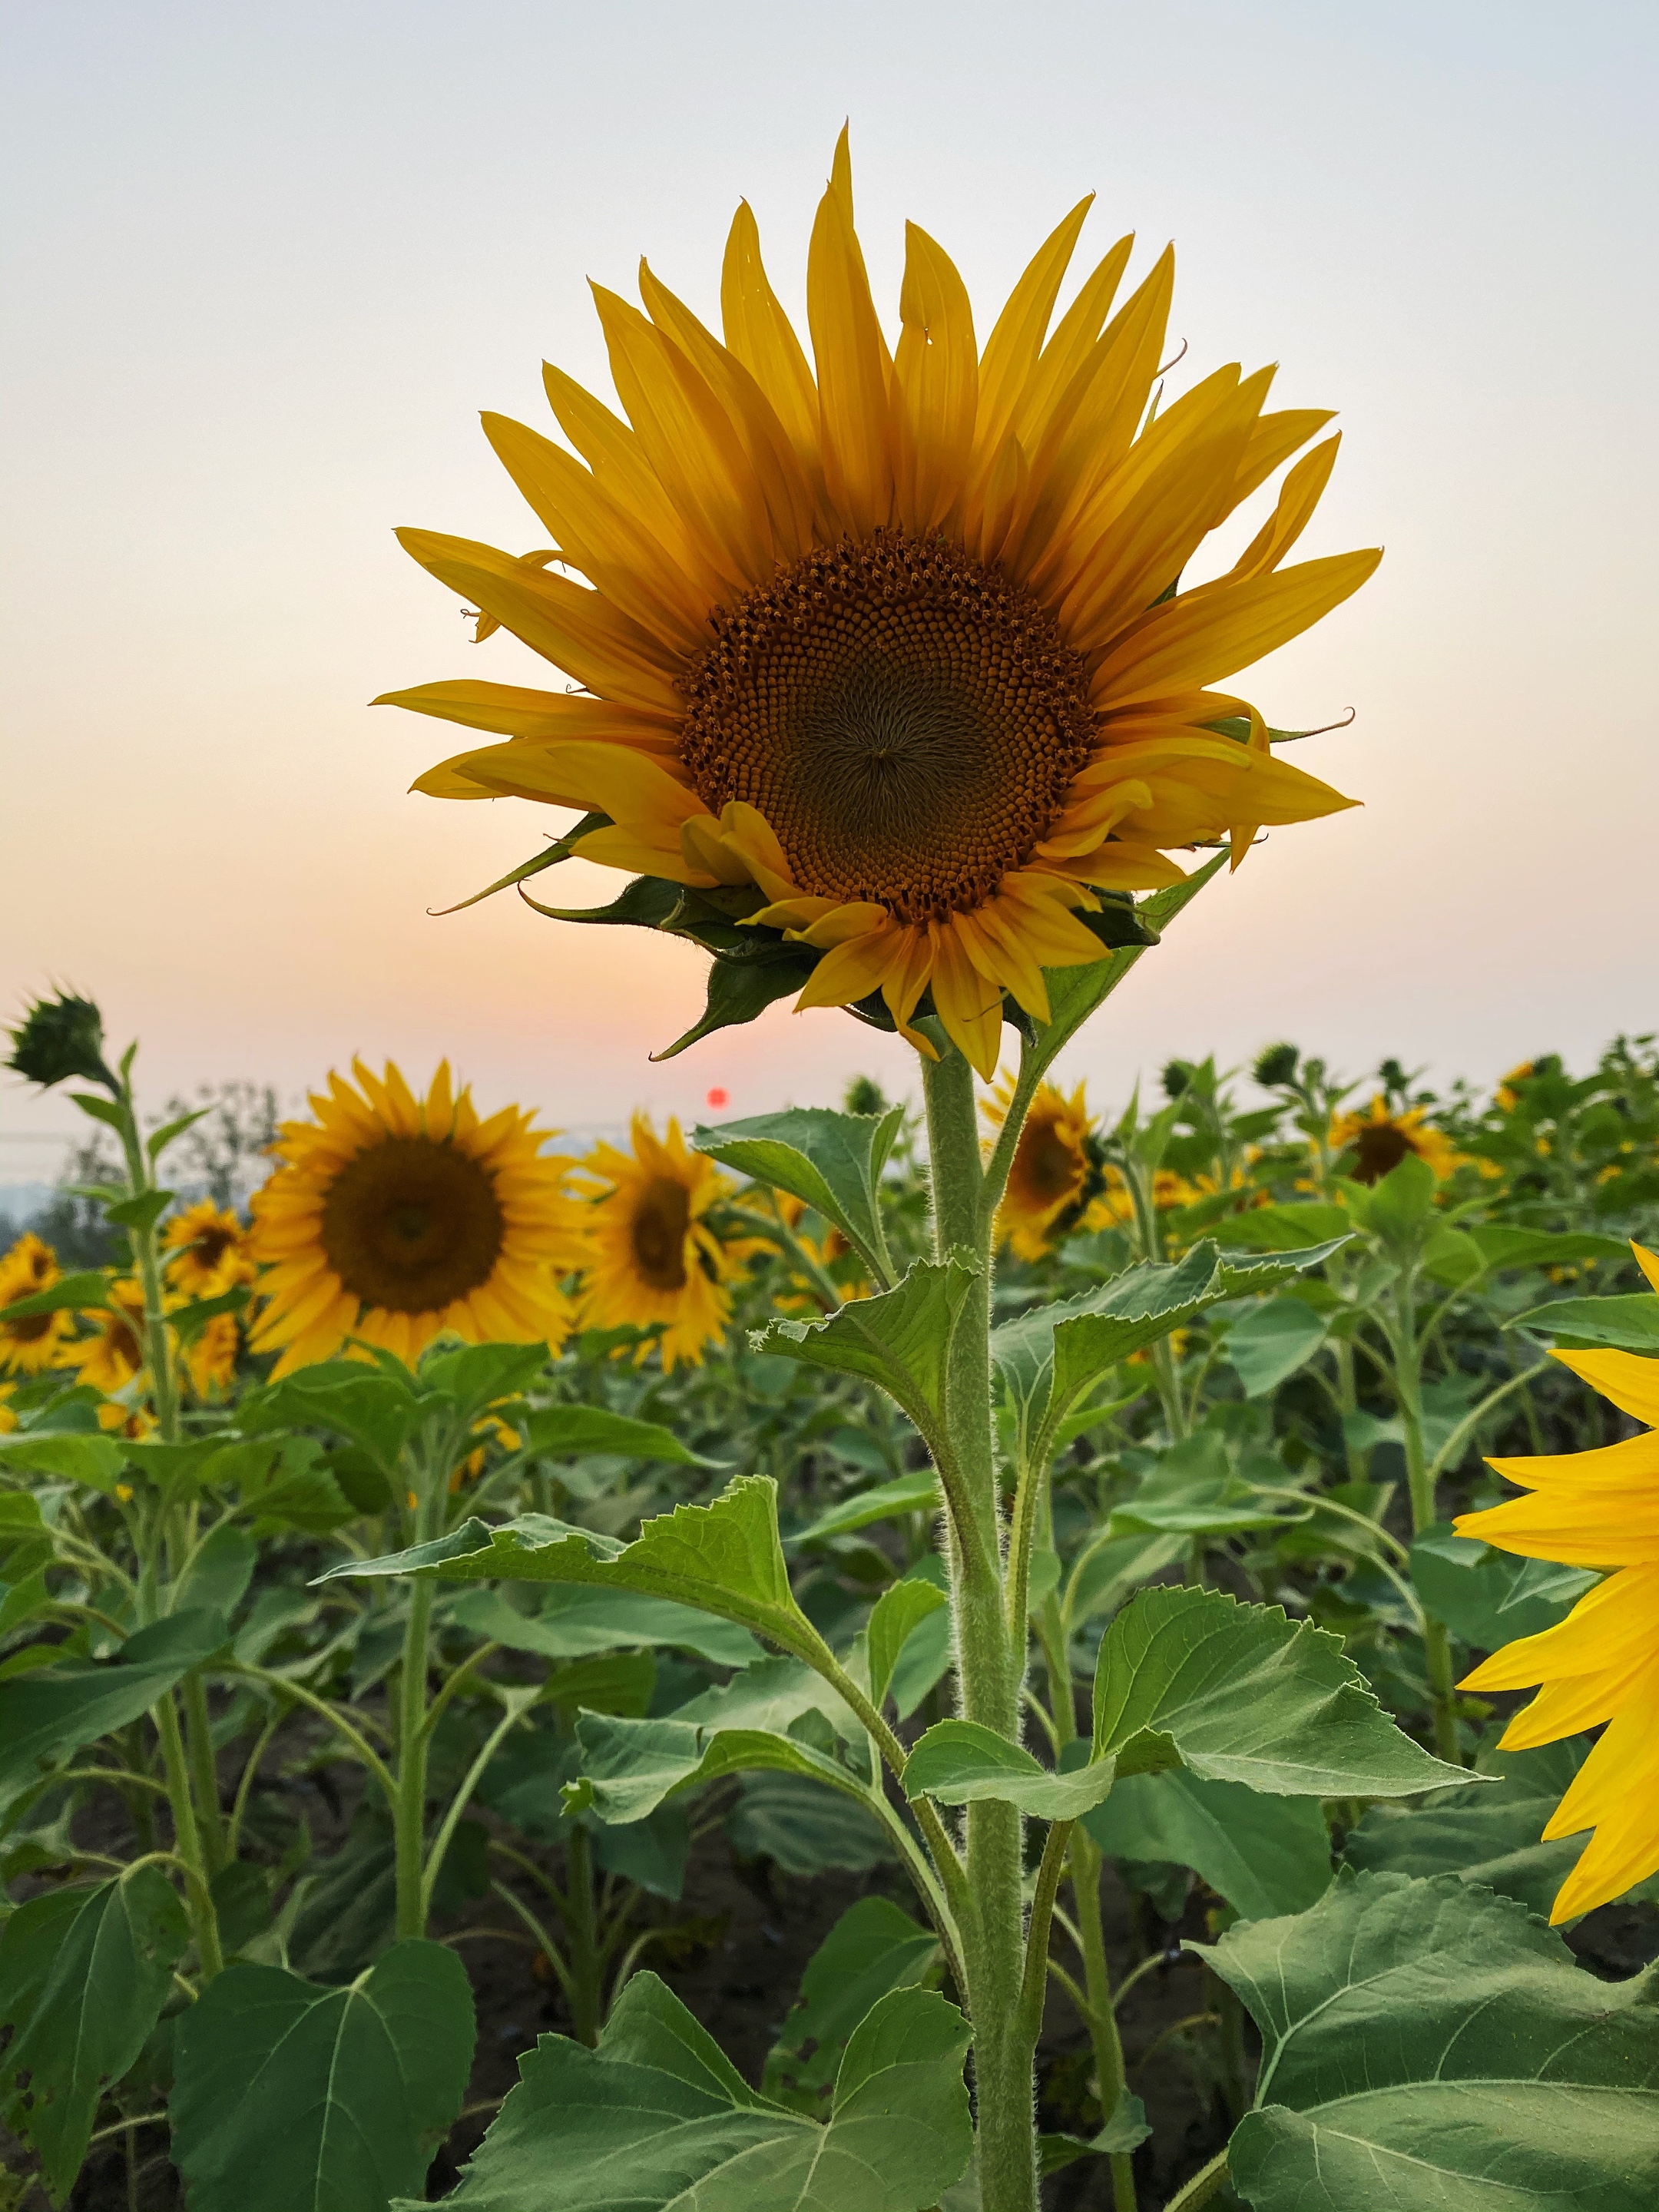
[{"x": 974, "y": 1654}]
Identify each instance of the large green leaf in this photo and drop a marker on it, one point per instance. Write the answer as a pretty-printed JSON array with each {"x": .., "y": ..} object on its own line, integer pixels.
[
  {"x": 1264, "y": 1855},
  {"x": 574, "y": 1623},
  {"x": 1624, "y": 1324},
  {"x": 900, "y": 1339},
  {"x": 898, "y": 1614},
  {"x": 379, "y": 1410},
  {"x": 724, "y": 1558},
  {"x": 73, "y": 1457},
  {"x": 831, "y": 1162},
  {"x": 1050, "y": 1357},
  {"x": 1502, "y": 1246},
  {"x": 628, "y": 1767},
  {"x": 1428, "y": 2046},
  {"x": 1268, "y": 1345},
  {"x": 1487, "y": 1835},
  {"x": 873, "y": 1948},
  {"x": 801, "y": 1827},
  {"x": 907, "y": 1494},
  {"x": 1240, "y": 1693},
  {"x": 47, "y": 1713},
  {"x": 1488, "y": 1597},
  {"x": 658, "y": 2117},
  {"x": 960, "y": 1762},
  {"x": 84, "y": 1975},
  {"x": 1293, "y": 1228},
  {"x": 286, "y": 2094},
  {"x": 569, "y": 1432}
]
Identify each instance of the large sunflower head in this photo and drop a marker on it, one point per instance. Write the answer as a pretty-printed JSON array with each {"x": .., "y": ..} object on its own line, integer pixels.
[
  {"x": 206, "y": 1249},
  {"x": 38, "y": 1340},
  {"x": 654, "y": 1261},
  {"x": 887, "y": 681},
  {"x": 1381, "y": 1138},
  {"x": 394, "y": 1218},
  {"x": 1057, "y": 1168}
]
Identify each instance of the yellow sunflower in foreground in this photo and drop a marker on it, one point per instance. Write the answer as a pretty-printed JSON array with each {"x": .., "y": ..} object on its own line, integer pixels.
[
  {"x": 653, "y": 1261},
  {"x": 1382, "y": 1139},
  {"x": 37, "y": 1341},
  {"x": 1056, "y": 1171},
  {"x": 394, "y": 1218},
  {"x": 887, "y": 651},
  {"x": 1593, "y": 1509},
  {"x": 206, "y": 1251}
]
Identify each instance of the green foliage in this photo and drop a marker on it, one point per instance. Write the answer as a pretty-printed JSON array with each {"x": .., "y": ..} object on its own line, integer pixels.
[
  {"x": 900, "y": 1339},
  {"x": 1265, "y": 1855},
  {"x": 1427, "y": 2046},
  {"x": 287, "y": 2094},
  {"x": 832, "y": 1162},
  {"x": 84, "y": 1975},
  {"x": 961, "y": 1762},
  {"x": 872, "y": 1949},
  {"x": 1238, "y": 1693},
  {"x": 657, "y": 2115}
]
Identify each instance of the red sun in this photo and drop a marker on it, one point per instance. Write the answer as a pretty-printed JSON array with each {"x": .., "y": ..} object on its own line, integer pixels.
[{"x": 718, "y": 1097}]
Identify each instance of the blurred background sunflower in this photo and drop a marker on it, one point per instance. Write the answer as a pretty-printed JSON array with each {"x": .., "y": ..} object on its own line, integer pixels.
[
  {"x": 1058, "y": 1167},
  {"x": 34, "y": 1342},
  {"x": 207, "y": 1250},
  {"x": 394, "y": 1219},
  {"x": 1382, "y": 1135},
  {"x": 653, "y": 1263}
]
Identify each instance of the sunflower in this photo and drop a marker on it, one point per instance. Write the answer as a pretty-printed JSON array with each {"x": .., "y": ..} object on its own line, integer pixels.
[
  {"x": 655, "y": 1263},
  {"x": 210, "y": 1359},
  {"x": 1593, "y": 1509},
  {"x": 1506, "y": 1094},
  {"x": 39, "y": 1341},
  {"x": 115, "y": 1352},
  {"x": 887, "y": 652},
  {"x": 1057, "y": 1168},
  {"x": 393, "y": 1219},
  {"x": 207, "y": 1252},
  {"x": 1383, "y": 1139}
]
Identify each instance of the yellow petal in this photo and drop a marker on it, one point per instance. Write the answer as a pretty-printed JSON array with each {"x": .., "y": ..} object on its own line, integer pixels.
[
  {"x": 1628, "y": 1380},
  {"x": 852, "y": 970},
  {"x": 1613, "y": 1626},
  {"x": 1635, "y": 1461},
  {"x": 1299, "y": 497},
  {"x": 854, "y": 433},
  {"x": 760, "y": 335},
  {"x": 970, "y": 1006},
  {"x": 513, "y": 711},
  {"x": 1617, "y": 1789},
  {"x": 936, "y": 385},
  {"x": 1015, "y": 345},
  {"x": 1180, "y": 646}
]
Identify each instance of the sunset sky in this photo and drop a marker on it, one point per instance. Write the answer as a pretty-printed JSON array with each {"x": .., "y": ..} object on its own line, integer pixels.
[{"x": 265, "y": 265}]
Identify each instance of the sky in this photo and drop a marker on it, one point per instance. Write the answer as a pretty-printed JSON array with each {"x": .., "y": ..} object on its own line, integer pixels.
[{"x": 265, "y": 265}]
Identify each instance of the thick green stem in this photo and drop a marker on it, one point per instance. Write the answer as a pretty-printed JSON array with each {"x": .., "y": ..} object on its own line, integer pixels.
[
  {"x": 204, "y": 1924},
  {"x": 204, "y": 1776},
  {"x": 1419, "y": 1477},
  {"x": 410, "y": 1822},
  {"x": 587, "y": 1995},
  {"x": 993, "y": 1927}
]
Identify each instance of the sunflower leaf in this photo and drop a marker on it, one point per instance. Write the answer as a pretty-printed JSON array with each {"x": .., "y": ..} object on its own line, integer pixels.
[
  {"x": 722, "y": 1558},
  {"x": 1050, "y": 1357},
  {"x": 960, "y": 1763},
  {"x": 569, "y": 1432},
  {"x": 871, "y": 1949},
  {"x": 658, "y": 2116},
  {"x": 48, "y": 1713},
  {"x": 289, "y": 2093},
  {"x": 1426, "y": 2044},
  {"x": 1190, "y": 1677},
  {"x": 1620, "y": 1324},
  {"x": 917, "y": 1492},
  {"x": 1264, "y": 1855},
  {"x": 831, "y": 1162},
  {"x": 88, "y": 1290},
  {"x": 740, "y": 991},
  {"x": 86, "y": 1973},
  {"x": 900, "y": 1339},
  {"x": 898, "y": 1611}
]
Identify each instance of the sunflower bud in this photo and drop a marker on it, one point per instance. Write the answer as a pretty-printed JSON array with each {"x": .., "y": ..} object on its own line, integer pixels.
[
  {"x": 865, "y": 1096},
  {"x": 1276, "y": 1066},
  {"x": 1178, "y": 1078},
  {"x": 62, "y": 1037}
]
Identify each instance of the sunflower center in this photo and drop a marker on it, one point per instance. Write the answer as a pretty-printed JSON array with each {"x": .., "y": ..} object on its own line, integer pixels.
[
  {"x": 906, "y": 719},
  {"x": 657, "y": 1233},
  {"x": 410, "y": 1225},
  {"x": 31, "y": 1329},
  {"x": 1048, "y": 1168},
  {"x": 212, "y": 1246},
  {"x": 1380, "y": 1145}
]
